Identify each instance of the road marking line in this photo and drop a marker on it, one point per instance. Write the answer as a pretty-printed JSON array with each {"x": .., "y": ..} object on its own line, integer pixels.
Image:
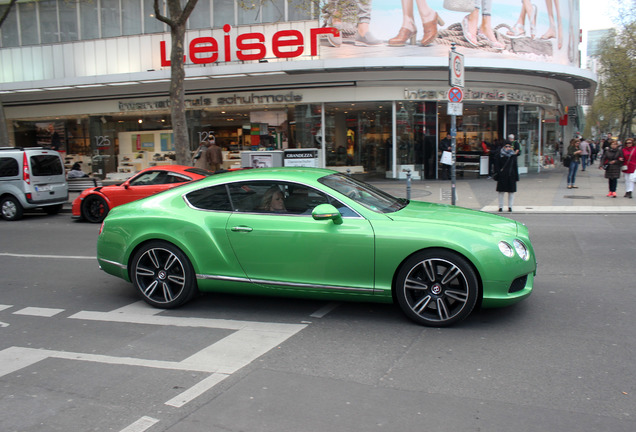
[
  {"x": 47, "y": 256},
  {"x": 320, "y": 313},
  {"x": 196, "y": 390},
  {"x": 41, "y": 312},
  {"x": 141, "y": 425},
  {"x": 139, "y": 307},
  {"x": 188, "y": 322}
]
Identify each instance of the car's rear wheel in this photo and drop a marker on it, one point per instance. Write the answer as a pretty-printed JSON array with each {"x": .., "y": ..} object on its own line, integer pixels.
[
  {"x": 437, "y": 288},
  {"x": 11, "y": 208},
  {"x": 94, "y": 208},
  {"x": 163, "y": 275}
]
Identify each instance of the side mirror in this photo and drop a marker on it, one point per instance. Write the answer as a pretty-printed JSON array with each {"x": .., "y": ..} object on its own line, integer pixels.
[{"x": 327, "y": 212}]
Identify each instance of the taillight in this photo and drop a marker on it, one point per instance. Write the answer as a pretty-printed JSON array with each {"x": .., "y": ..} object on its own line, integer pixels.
[
  {"x": 100, "y": 229},
  {"x": 25, "y": 169}
]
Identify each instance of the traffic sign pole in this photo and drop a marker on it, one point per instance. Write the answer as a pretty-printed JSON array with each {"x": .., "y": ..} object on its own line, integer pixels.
[{"x": 455, "y": 97}]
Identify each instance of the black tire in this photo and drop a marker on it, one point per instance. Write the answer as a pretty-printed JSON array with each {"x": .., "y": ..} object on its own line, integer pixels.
[
  {"x": 53, "y": 210},
  {"x": 11, "y": 209},
  {"x": 94, "y": 208},
  {"x": 163, "y": 275},
  {"x": 436, "y": 288}
]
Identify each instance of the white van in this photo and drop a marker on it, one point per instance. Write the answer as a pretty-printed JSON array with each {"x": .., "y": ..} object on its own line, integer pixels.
[{"x": 31, "y": 177}]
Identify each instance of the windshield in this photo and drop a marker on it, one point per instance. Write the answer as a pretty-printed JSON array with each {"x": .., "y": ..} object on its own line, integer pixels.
[{"x": 363, "y": 193}]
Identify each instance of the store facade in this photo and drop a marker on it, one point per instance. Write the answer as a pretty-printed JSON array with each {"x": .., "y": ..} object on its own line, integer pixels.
[{"x": 379, "y": 111}]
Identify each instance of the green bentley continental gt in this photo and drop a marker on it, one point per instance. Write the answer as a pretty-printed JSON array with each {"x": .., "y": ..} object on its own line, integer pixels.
[{"x": 320, "y": 234}]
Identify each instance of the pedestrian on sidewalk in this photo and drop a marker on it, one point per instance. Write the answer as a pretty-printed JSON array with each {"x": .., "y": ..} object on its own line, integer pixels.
[
  {"x": 574, "y": 152},
  {"x": 507, "y": 176},
  {"x": 585, "y": 152},
  {"x": 629, "y": 160},
  {"x": 611, "y": 162}
]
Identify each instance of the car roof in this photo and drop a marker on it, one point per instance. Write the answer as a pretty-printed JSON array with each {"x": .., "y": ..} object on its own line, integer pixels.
[{"x": 283, "y": 173}]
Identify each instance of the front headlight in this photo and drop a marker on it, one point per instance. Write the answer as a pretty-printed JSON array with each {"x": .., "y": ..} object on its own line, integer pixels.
[
  {"x": 522, "y": 250},
  {"x": 506, "y": 249}
]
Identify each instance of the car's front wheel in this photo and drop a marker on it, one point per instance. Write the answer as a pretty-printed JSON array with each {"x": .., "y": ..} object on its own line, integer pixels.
[
  {"x": 163, "y": 275},
  {"x": 437, "y": 288},
  {"x": 94, "y": 208},
  {"x": 11, "y": 209}
]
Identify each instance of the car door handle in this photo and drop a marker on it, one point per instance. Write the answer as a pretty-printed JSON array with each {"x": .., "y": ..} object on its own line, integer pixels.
[{"x": 241, "y": 229}]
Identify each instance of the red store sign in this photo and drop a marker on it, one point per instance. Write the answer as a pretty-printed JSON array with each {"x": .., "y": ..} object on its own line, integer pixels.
[{"x": 250, "y": 46}]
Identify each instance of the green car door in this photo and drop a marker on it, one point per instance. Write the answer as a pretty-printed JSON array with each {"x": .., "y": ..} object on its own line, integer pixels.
[{"x": 289, "y": 249}]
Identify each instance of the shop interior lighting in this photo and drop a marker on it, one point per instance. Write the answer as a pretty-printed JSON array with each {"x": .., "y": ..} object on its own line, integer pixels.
[
  {"x": 123, "y": 83},
  {"x": 29, "y": 90},
  {"x": 58, "y": 88},
  {"x": 195, "y": 78},
  {"x": 90, "y": 85}
]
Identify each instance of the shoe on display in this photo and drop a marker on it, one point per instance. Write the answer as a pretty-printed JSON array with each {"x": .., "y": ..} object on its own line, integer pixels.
[{"x": 367, "y": 40}]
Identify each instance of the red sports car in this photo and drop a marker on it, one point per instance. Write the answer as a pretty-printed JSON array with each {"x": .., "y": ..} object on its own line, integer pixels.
[{"x": 93, "y": 204}]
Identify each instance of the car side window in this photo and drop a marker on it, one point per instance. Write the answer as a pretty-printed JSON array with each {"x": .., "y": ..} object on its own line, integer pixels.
[
  {"x": 9, "y": 167},
  {"x": 281, "y": 198},
  {"x": 210, "y": 198}
]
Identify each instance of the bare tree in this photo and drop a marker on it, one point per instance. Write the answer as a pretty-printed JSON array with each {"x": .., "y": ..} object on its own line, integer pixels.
[{"x": 177, "y": 19}]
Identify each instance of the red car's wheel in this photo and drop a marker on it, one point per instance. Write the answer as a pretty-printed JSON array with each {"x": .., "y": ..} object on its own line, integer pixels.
[{"x": 94, "y": 208}]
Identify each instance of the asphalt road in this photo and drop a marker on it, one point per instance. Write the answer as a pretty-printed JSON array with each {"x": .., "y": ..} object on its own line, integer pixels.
[{"x": 78, "y": 352}]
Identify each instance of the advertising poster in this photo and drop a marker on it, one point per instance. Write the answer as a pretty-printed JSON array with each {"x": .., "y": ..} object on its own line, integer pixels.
[{"x": 532, "y": 30}]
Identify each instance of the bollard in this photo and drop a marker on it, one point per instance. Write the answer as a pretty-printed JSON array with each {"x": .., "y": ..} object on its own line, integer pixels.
[
  {"x": 408, "y": 184},
  {"x": 348, "y": 171}
]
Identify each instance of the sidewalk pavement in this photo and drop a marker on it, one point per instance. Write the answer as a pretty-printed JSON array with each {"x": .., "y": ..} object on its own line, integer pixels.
[{"x": 544, "y": 192}]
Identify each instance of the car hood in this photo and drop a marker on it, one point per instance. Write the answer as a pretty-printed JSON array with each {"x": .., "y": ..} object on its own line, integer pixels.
[{"x": 455, "y": 216}]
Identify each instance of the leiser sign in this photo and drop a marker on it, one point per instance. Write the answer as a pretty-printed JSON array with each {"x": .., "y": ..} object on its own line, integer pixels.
[{"x": 250, "y": 46}]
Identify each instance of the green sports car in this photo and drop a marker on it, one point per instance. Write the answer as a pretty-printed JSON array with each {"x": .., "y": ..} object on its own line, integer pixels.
[{"x": 316, "y": 233}]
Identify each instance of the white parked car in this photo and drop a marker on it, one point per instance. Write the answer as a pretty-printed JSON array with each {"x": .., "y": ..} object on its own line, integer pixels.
[{"x": 30, "y": 178}]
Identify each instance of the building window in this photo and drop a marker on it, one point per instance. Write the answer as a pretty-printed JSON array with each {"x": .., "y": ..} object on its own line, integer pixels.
[
  {"x": 200, "y": 16},
  {"x": 223, "y": 12},
  {"x": 9, "y": 29},
  {"x": 273, "y": 11},
  {"x": 110, "y": 18},
  {"x": 151, "y": 23},
  {"x": 48, "y": 21},
  {"x": 89, "y": 21},
  {"x": 131, "y": 17},
  {"x": 28, "y": 17},
  {"x": 69, "y": 30}
]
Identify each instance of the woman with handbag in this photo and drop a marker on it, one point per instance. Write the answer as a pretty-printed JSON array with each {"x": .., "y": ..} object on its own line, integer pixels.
[
  {"x": 574, "y": 153},
  {"x": 629, "y": 166},
  {"x": 611, "y": 162}
]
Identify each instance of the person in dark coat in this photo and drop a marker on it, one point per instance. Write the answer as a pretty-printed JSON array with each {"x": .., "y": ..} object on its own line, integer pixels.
[
  {"x": 612, "y": 164},
  {"x": 507, "y": 176}
]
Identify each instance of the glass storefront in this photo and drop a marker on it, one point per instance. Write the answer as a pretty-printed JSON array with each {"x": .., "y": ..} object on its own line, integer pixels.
[{"x": 358, "y": 136}]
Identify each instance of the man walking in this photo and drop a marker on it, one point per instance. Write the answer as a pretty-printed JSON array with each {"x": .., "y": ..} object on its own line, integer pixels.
[
  {"x": 585, "y": 152},
  {"x": 215, "y": 155}
]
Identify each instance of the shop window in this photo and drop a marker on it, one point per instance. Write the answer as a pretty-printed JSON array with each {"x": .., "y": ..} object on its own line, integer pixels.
[{"x": 357, "y": 135}]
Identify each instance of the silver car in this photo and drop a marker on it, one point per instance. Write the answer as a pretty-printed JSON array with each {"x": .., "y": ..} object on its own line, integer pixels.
[{"x": 31, "y": 178}]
